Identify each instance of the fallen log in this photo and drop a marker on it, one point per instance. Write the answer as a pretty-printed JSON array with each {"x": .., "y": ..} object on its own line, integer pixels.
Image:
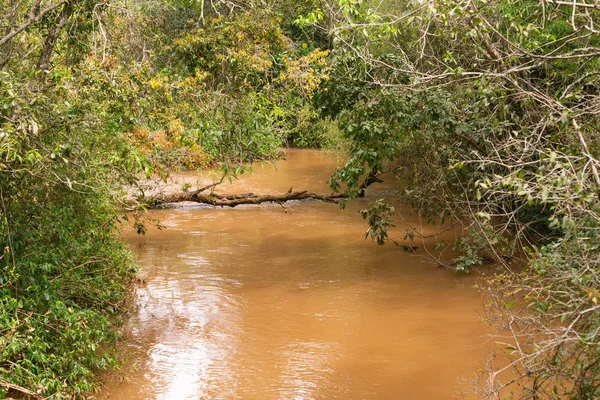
[{"x": 232, "y": 200}]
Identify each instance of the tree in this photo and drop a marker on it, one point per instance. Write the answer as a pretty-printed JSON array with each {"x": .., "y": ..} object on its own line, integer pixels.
[
  {"x": 93, "y": 97},
  {"x": 64, "y": 272},
  {"x": 487, "y": 112}
]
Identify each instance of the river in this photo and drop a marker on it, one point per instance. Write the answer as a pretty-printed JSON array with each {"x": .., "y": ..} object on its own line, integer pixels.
[{"x": 262, "y": 302}]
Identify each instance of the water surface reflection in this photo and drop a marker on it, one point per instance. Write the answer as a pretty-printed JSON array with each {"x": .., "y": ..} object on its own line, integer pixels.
[{"x": 257, "y": 303}]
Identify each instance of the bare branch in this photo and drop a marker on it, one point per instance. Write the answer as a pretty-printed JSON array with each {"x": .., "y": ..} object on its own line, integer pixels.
[
  {"x": 33, "y": 18},
  {"x": 593, "y": 161}
]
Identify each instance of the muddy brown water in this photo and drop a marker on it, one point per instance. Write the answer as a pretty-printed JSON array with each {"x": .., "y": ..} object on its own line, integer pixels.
[{"x": 259, "y": 303}]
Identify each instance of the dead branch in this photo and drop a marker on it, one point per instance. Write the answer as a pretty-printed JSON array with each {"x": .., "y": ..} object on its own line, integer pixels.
[
  {"x": 232, "y": 200},
  {"x": 573, "y": 4},
  {"x": 587, "y": 152},
  {"x": 20, "y": 389},
  {"x": 33, "y": 18},
  {"x": 371, "y": 178}
]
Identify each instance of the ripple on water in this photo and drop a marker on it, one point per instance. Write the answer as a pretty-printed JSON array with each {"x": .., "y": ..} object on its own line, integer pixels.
[{"x": 256, "y": 303}]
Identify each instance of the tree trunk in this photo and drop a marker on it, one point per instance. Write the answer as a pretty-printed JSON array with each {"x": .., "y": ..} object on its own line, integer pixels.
[
  {"x": 33, "y": 18},
  {"x": 7, "y": 51},
  {"x": 53, "y": 34}
]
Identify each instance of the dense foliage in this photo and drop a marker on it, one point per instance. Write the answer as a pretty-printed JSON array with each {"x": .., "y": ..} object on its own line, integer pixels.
[
  {"x": 94, "y": 96},
  {"x": 487, "y": 111}
]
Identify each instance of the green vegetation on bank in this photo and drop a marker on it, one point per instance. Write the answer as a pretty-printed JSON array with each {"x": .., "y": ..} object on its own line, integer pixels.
[
  {"x": 94, "y": 96},
  {"x": 486, "y": 111}
]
